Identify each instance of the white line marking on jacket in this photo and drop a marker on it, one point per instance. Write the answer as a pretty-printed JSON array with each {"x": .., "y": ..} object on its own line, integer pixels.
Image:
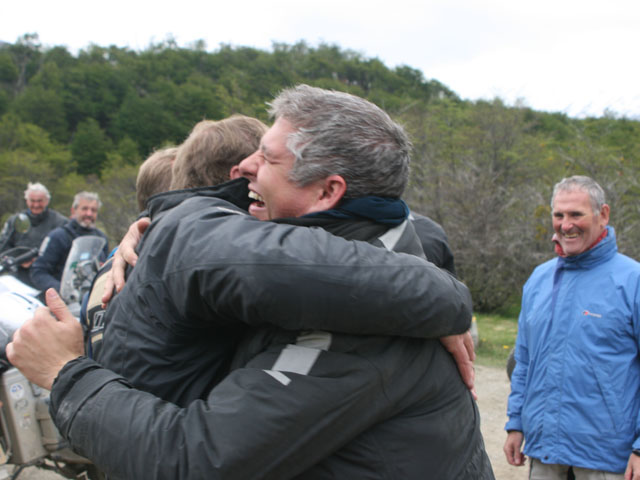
[
  {"x": 390, "y": 238},
  {"x": 300, "y": 357}
]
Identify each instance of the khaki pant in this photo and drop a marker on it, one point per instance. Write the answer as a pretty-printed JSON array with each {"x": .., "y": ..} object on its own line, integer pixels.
[{"x": 545, "y": 471}]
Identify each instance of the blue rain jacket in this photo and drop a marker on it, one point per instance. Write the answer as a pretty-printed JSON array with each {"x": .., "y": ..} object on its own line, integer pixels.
[{"x": 575, "y": 391}]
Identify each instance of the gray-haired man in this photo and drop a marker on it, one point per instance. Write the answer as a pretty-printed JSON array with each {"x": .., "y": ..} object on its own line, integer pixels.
[
  {"x": 300, "y": 400},
  {"x": 575, "y": 390},
  {"x": 46, "y": 271},
  {"x": 40, "y": 220}
]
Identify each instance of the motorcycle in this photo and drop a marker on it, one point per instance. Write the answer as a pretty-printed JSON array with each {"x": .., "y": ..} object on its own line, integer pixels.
[{"x": 28, "y": 436}]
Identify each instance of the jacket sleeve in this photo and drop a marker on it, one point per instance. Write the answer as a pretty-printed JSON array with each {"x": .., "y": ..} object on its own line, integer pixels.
[
  {"x": 305, "y": 278},
  {"x": 636, "y": 332},
  {"x": 253, "y": 425},
  {"x": 6, "y": 234},
  {"x": 434, "y": 242},
  {"x": 45, "y": 266},
  {"x": 519, "y": 374},
  {"x": 105, "y": 251}
]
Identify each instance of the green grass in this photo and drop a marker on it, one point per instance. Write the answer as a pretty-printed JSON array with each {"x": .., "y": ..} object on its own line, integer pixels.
[{"x": 497, "y": 336}]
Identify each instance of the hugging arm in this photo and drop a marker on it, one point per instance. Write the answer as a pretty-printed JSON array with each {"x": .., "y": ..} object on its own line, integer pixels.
[
  {"x": 305, "y": 278},
  {"x": 231, "y": 435}
]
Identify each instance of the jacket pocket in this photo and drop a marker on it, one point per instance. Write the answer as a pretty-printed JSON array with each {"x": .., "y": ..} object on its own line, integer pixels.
[{"x": 609, "y": 397}]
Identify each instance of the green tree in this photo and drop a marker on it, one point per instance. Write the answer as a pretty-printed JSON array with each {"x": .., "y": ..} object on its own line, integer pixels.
[
  {"x": 117, "y": 190},
  {"x": 26, "y": 53},
  {"x": 8, "y": 69},
  {"x": 42, "y": 107},
  {"x": 147, "y": 121},
  {"x": 26, "y": 155},
  {"x": 89, "y": 147}
]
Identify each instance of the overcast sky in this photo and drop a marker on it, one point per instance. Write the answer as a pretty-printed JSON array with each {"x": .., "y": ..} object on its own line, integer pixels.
[{"x": 579, "y": 57}]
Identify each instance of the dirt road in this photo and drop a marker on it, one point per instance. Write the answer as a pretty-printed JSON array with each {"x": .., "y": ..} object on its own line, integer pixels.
[{"x": 493, "y": 389}]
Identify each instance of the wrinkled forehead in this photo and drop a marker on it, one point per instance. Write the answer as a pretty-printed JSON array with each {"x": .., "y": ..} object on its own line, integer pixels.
[
  {"x": 575, "y": 199},
  {"x": 87, "y": 204},
  {"x": 274, "y": 141},
  {"x": 36, "y": 197}
]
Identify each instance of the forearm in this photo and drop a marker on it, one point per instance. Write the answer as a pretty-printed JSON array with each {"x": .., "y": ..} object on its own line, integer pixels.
[
  {"x": 46, "y": 263},
  {"x": 251, "y": 426},
  {"x": 386, "y": 294},
  {"x": 42, "y": 279},
  {"x": 518, "y": 385}
]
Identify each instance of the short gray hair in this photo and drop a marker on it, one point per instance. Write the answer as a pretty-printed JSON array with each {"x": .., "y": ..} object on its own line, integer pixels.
[
  {"x": 584, "y": 183},
  {"x": 91, "y": 196},
  {"x": 36, "y": 187},
  {"x": 341, "y": 134}
]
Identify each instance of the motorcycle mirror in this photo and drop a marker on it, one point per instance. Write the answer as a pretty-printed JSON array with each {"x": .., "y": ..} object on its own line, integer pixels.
[{"x": 22, "y": 223}]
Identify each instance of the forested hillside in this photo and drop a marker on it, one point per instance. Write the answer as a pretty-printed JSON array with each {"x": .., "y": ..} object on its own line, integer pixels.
[{"x": 482, "y": 169}]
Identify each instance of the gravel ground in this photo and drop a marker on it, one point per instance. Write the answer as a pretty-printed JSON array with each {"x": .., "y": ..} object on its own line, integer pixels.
[
  {"x": 33, "y": 473},
  {"x": 493, "y": 389}
]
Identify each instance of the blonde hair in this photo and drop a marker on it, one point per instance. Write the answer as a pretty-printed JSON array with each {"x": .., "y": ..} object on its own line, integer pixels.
[
  {"x": 213, "y": 147},
  {"x": 154, "y": 175}
]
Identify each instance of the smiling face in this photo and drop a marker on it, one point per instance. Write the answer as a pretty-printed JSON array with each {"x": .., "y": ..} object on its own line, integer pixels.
[
  {"x": 576, "y": 226},
  {"x": 86, "y": 213},
  {"x": 268, "y": 173},
  {"x": 37, "y": 202}
]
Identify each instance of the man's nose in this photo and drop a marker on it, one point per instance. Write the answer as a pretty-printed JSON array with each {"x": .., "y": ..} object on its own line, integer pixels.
[
  {"x": 249, "y": 166},
  {"x": 567, "y": 225}
]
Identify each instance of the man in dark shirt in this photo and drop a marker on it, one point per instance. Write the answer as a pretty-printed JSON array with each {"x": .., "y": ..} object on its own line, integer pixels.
[
  {"x": 29, "y": 227},
  {"x": 47, "y": 269}
]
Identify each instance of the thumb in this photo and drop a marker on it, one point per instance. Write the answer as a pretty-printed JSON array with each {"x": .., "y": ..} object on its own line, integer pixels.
[
  {"x": 143, "y": 224},
  {"x": 57, "y": 306}
]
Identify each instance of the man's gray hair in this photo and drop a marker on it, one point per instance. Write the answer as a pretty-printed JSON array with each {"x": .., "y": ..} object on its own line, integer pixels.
[
  {"x": 584, "y": 183},
  {"x": 91, "y": 196},
  {"x": 341, "y": 134},
  {"x": 36, "y": 187}
]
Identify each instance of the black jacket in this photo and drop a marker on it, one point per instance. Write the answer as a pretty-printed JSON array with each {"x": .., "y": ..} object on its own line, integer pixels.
[
  {"x": 40, "y": 226},
  {"x": 46, "y": 271},
  {"x": 258, "y": 273},
  {"x": 434, "y": 242},
  {"x": 182, "y": 309}
]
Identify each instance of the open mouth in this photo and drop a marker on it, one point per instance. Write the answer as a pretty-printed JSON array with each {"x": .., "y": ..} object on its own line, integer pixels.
[
  {"x": 254, "y": 196},
  {"x": 257, "y": 208}
]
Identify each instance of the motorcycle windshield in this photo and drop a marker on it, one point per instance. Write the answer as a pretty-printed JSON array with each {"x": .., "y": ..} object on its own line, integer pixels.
[{"x": 80, "y": 268}]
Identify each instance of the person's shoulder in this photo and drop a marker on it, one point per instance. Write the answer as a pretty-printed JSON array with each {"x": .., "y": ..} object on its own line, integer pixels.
[
  {"x": 622, "y": 264},
  {"x": 13, "y": 217},
  {"x": 201, "y": 207},
  {"x": 62, "y": 235},
  {"x": 59, "y": 218},
  {"x": 543, "y": 270},
  {"x": 11, "y": 220},
  {"x": 632, "y": 262},
  {"x": 54, "y": 241},
  {"x": 7, "y": 225},
  {"x": 209, "y": 201},
  {"x": 422, "y": 222},
  {"x": 100, "y": 233},
  {"x": 58, "y": 232}
]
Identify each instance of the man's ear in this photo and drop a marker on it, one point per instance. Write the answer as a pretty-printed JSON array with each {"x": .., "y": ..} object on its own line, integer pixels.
[
  {"x": 333, "y": 189},
  {"x": 234, "y": 172},
  {"x": 604, "y": 215}
]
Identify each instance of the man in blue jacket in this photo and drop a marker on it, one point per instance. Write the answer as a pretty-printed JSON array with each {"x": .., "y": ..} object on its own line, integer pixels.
[
  {"x": 575, "y": 390},
  {"x": 46, "y": 271}
]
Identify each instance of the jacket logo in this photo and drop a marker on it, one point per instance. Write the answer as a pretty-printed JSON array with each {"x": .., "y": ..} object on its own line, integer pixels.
[{"x": 591, "y": 314}]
